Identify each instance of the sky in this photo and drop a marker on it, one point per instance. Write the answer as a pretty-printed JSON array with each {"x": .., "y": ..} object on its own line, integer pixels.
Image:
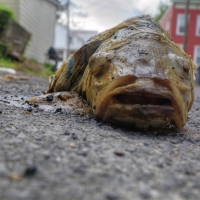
[{"x": 102, "y": 15}]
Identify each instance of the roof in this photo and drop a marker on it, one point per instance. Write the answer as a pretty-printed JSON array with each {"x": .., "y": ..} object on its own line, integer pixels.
[{"x": 184, "y": 1}]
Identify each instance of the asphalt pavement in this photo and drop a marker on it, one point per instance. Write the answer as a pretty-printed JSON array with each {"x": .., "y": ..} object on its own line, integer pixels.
[{"x": 66, "y": 156}]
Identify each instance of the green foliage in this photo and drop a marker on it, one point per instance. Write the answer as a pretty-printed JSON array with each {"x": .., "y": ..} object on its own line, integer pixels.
[
  {"x": 6, "y": 62},
  {"x": 48, "y": 66},
  {"x": 162, "y": 8},
  {"x": 45, "y": 71},
  {"x": 4, "y": 47},
  {"x": 5, "y": 15}
]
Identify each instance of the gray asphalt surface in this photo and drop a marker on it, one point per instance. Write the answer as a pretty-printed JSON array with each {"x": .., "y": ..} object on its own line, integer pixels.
[{"x": 63, "y": 156}]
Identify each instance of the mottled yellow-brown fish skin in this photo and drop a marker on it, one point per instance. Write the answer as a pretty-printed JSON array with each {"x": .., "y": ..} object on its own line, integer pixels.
[{"x": 136, "y": 77}]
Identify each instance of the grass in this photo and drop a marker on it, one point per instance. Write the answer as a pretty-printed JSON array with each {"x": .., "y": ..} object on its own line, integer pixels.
[
  {"x": 28, "y": 66},
  {"x": 6, "y": 63}
]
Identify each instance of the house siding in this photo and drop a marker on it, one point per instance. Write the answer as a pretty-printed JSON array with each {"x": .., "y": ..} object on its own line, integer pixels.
[
  {"x": 38, "y": 17},
  {"x": 193, "y": 39},
  {"x": 167, "y": 18}
]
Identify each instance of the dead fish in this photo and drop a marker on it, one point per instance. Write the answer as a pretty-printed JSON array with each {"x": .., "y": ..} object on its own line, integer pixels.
[{"x": 132, "y": 74}]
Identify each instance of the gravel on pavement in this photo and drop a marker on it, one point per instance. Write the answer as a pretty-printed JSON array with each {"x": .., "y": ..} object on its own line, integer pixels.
[{"x": 65, "y": 156}]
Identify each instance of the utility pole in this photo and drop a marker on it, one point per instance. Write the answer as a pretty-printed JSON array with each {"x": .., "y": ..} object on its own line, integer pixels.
[
  {"x": 186, "y": 25},
  {"x": 68, "y": 28}
]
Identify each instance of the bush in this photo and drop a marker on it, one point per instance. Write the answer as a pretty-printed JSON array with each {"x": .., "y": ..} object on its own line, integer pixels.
[
  {"x": 4, "y": 48},
  {"x": 5, "y": 15}
]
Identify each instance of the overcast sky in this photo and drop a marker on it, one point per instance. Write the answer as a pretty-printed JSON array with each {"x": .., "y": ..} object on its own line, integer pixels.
[{"x": 101, "y": 15}]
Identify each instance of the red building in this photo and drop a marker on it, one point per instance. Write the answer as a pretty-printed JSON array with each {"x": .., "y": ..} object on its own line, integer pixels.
[{"x": 174, "y": 21}]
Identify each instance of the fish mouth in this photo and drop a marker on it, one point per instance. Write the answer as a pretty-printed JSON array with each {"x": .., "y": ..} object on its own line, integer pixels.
[
  {"x": 141, "y": 98},
  {"x": 147, "y": 105}
]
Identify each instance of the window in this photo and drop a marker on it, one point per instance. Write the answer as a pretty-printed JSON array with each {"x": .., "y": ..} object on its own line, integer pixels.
[
  {"x": 198, "y": 26},
  {"x": 197, "y": 55},
  {"x": 180, "y": 25}
]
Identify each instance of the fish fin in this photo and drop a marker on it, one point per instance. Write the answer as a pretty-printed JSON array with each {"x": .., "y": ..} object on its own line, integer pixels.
[
  {"x": 52, "y": 81},
  {"x": 71, "y": 71}
]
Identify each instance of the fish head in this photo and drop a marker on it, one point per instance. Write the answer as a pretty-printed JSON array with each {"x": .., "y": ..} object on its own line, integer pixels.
[{"x": 140, "y": 78}]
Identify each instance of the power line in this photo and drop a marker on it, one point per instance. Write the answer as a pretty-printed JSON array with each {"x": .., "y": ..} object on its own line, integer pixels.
[
  {"x": 186, "y": 25},
  {"x": 68, "y": 28}
]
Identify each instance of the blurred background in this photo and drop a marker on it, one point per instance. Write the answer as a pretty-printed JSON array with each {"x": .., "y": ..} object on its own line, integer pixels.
[{"x": 37, "y": 35}]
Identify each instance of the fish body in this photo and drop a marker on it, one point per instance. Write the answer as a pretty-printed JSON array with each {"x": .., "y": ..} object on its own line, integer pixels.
[{"x": 132, "y": 74}]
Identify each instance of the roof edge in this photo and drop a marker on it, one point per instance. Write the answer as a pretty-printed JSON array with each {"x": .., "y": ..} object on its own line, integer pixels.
[
  {"x": 183, "y": 1},
  {"x": 54, "y": 3},
  {"x": 170, "y": 7}
]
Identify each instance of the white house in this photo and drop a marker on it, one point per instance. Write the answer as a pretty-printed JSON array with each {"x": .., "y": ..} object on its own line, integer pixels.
[
  {"x": 77, "y": 39},
  {"x": 38, "y": 17}
]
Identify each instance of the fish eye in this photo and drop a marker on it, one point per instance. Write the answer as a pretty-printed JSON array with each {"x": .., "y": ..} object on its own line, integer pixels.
[
  {"x": 183, "y": 63},
  {"x": 99, "y": 63}
]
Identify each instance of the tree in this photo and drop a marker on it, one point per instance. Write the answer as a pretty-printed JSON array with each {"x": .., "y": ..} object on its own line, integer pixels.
[
  {"x": 5, "y": 15},
  {"x": 162, "y": 8}
]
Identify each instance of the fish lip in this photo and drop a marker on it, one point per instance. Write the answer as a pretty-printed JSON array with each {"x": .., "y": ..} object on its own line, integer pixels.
[
  {"x": 148, "y": 92},
  {"x": 156, "y": 92}
]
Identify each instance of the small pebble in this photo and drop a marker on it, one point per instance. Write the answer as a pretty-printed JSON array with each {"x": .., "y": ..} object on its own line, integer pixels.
[
  {"x": 112, "y": 196},
  {"x": 160, "y": 165},
  {"x": 72, "y": 145},
  {"x": 130, "y": 150},
  {"x": 47, "y": 155},
  {"x": 174, "y": 141},
  {"x": 186, "y": 194},
  {"x": 79, "y": 170},
  {"x": 49, "y": 98},
  {"x": 146, "y": 143},
  {"x": 11, "y": 131},
  {"x": 29, "y": 109},
  {"x": 74, "y": 136},
  {"x": 171, "y": 127},
  {"x": 67, "y": 133},
  {"x": 1, "y": 112},
  {"x": 144, "y": 191},
  {"x": 58, "y": 109},
  {"x": 83, "y": 153},
  {"x": 189, "y": 171},
  {"x": 30, "y": 170},
  {"x": 119, "y": 153},
  {"x": 15, "y": 176},
  {"x": 36, "y": 110},
  {"x": 6, "y": 102}
]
